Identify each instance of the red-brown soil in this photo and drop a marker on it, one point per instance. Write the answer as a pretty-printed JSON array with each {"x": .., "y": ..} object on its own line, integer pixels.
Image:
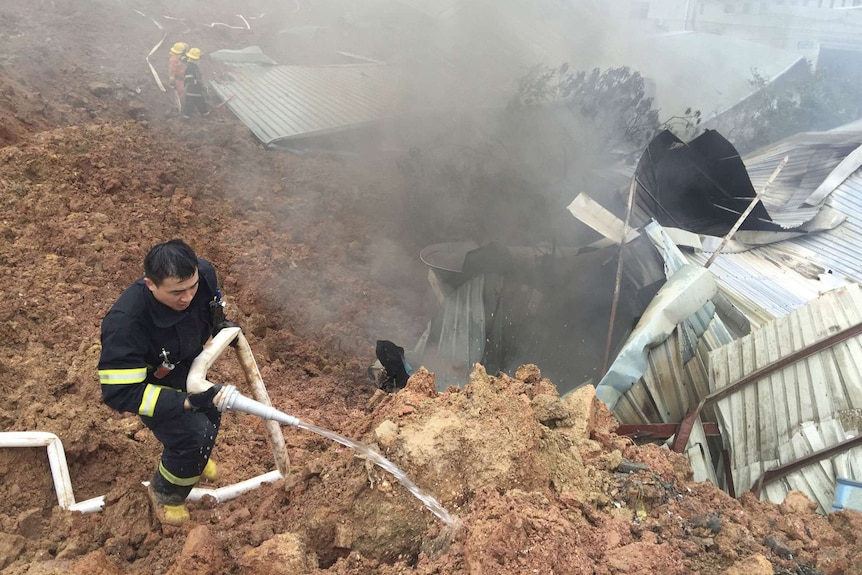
[{"x": 317, "y": 262}]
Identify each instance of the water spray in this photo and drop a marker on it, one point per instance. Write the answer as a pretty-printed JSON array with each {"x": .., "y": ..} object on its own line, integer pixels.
[{"x": 230, "y": 399}]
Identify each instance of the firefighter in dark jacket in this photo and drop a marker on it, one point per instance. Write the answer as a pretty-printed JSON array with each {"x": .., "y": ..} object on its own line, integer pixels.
[
  {"x": 194, "y": 98},
  {"x": 149, "y": 338}
]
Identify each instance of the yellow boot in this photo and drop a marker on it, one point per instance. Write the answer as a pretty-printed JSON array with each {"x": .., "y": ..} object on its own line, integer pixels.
[
  {"x": 210, "y": 472},
  {"x": 168, "y": 514}
]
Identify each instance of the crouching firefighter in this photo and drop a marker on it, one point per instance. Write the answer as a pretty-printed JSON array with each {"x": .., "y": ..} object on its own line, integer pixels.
[{"x": 150, "y": 337}]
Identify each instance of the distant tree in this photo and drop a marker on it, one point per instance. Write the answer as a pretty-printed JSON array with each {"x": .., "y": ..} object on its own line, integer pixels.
[
  {"x": 812, "y": 101},
  {"x": 613, "y": 103}
]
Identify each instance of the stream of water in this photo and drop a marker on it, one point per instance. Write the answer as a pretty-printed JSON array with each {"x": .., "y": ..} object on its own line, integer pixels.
[
  {"x": 432, "y": 504},
  {"x": 231, "y": 399}
]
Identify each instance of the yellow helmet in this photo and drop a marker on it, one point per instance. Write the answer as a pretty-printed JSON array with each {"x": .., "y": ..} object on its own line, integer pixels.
[
  {"x": 194, "y": 54},
  {"x": 179, "y": 48}
]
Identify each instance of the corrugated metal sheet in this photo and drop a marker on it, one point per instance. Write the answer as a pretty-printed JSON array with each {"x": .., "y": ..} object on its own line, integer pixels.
[
  {"x": 816, "y": 480},
  {"x": 799, "y": 409},
  {"x": 455, "y": 339},
  {"x": 676, "y": 377},
  {"x": 765, "y": 286},
  {"x": 780, "y": 287},
  {"x": 839, "y": 249},
  {"x": 811, "y": 158},
  {"x": 284, "y": 103},
  {"x": 685, "y": 295},
  {"x": 773, "y": 280}
]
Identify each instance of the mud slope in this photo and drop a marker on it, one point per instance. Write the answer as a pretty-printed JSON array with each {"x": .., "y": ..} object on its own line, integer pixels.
[{"x": 317, "y": 263}]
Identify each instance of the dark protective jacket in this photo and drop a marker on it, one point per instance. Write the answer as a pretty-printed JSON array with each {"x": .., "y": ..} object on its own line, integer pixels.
[
  {"x": 194, "y": 84},
  {"x": 136, "y": 330}
]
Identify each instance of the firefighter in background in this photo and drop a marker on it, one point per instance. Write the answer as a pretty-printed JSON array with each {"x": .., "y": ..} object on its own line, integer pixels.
[
  {"x": 177, "y": 71},
  {"x": 195, "y": 98}
]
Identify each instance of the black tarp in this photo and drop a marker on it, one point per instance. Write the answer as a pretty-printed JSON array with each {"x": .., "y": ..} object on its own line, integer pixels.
[{"x": 701, "y": 186}]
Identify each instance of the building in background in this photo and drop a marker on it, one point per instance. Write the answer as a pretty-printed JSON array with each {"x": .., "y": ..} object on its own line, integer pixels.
[{"x": 826, "y": 32}]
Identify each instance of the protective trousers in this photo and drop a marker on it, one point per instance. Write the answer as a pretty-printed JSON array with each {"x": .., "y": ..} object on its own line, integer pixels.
[
  {"x": 188, "y": 442},
  {"x": 195, "y": 101}
]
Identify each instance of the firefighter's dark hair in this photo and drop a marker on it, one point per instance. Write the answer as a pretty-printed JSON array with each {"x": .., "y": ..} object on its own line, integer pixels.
[{"x": 171, "y": 259}]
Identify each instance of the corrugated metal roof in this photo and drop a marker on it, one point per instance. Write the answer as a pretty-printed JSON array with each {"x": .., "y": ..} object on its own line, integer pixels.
[
  {"x": 455, "y": 339},
  {"x": 838, "y": 249},
  {"x": 811, "y": 159},
  {"x": 284, "y": 103},
  {"x": 681, "y": 307},
  {"x": 780, "y": 288},
  {"x": 675, "y": 376},
  {"x": 773, "y": 280},
  {"x": 764, "y": 285},
  {"x": 800, "y": 408}
]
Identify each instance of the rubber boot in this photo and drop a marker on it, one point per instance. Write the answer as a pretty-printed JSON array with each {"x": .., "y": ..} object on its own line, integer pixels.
[
  {"x": 210, "y": 472},
  {"x": 166, "y": 513}
]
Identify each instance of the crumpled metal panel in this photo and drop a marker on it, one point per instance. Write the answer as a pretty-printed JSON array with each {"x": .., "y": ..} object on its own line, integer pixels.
[
  {"x": 806, "y": 406},
  {"x": 653, "y": 378},
  {"x": 455, "y": 339},
  {"x": 667, "y": 371},
  {"x": 686, "y": 293},
  {"x": 840, "y": 249},
  {"x": 763, "y": 288},
  {"x": 812, "y": 157},
  {"x": 773, "y": 280}
]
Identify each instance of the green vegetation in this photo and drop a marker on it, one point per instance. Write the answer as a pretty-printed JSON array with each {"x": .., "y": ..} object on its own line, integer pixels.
[{"x": 810, "y": 102}]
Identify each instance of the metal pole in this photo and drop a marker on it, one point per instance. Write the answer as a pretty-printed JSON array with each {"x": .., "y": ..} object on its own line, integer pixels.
[
  {"x": 619, "y": 277},
  {"x": 745, "y": 213}
]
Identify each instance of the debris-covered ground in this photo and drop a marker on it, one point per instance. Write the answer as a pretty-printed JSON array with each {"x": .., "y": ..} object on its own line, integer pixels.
[{"x": 317, "y": 264}]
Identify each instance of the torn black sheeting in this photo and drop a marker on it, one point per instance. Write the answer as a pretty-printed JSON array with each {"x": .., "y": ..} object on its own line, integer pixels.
[{"x": 702, "y": 186}]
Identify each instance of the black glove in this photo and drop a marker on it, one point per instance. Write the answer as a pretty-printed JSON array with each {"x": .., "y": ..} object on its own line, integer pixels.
[
  {"x": 204, "y": 400},
  {"x": 223, "y": 324}
]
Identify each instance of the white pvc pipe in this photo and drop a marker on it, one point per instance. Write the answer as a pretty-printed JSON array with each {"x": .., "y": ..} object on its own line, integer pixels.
[
  {"x": 56, "y": 459},
  {"x": 196, "y": 382},
  {"x": 228, "y": 492},
  {"x": 90, "y": 505},
  {"x": 63, "y": 483}
]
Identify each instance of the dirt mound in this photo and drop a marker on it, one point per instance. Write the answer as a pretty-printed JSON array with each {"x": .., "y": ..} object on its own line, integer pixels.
[
  {"x": 535, "y": 483},
  {"x": 318, "y": 260}
]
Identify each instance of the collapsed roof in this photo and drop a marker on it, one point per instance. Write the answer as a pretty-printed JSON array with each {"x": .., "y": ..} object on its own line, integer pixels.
[
  {"x": 751, "y": 363},
  {"x": 776, "y": 407}
]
